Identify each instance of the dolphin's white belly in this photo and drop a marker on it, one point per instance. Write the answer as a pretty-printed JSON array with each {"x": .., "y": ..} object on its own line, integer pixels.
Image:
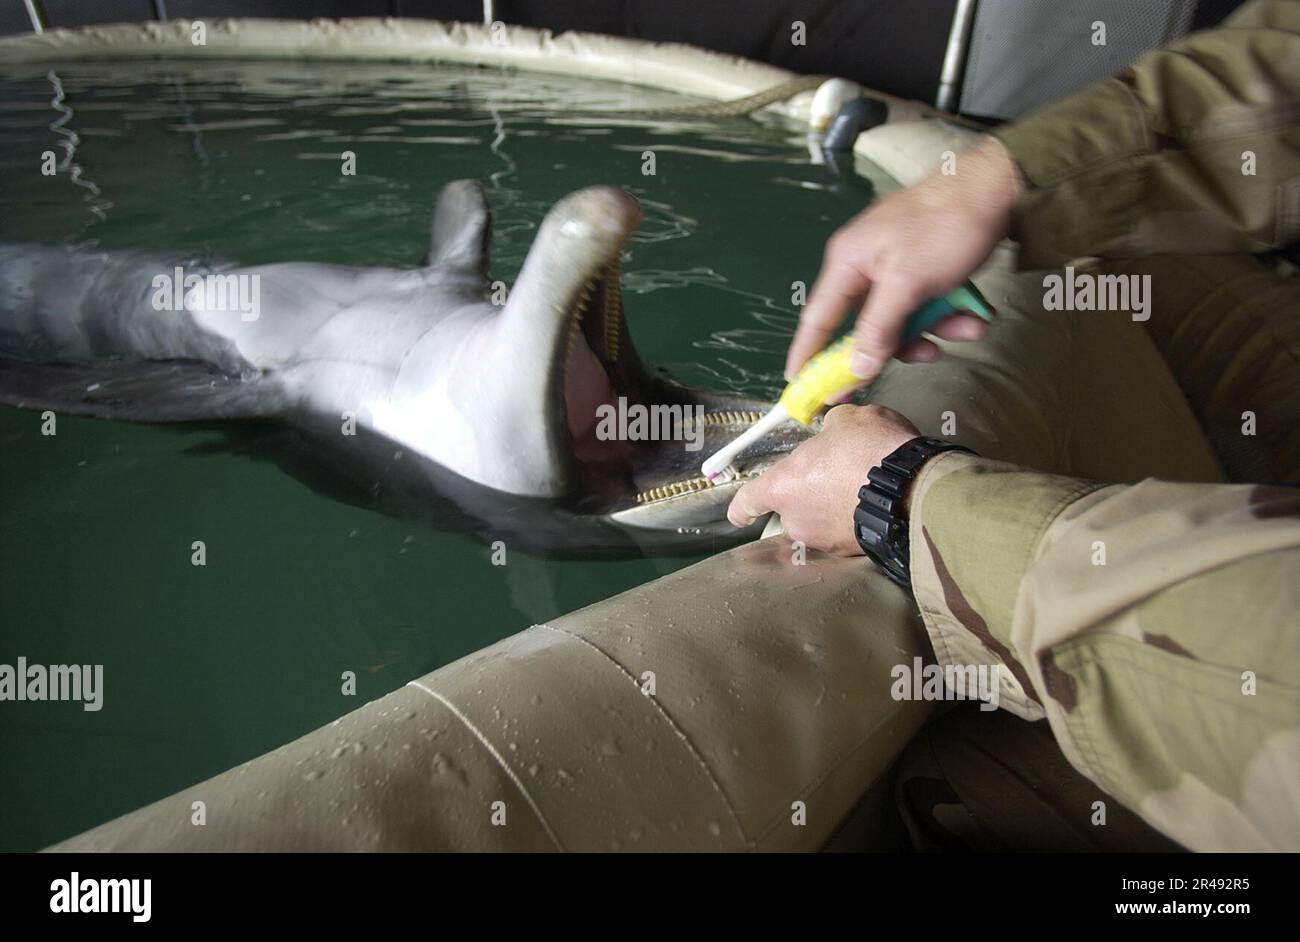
[
  {"x": 295, "y": 304},
  {"x": 416, "y": 363}
]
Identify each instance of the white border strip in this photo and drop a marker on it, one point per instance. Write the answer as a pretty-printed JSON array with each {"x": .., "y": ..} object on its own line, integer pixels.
[{"x": 671, "y": 66}]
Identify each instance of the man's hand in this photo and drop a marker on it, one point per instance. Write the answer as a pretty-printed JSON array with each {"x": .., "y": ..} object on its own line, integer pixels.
[
  {"x": 815, "y": 487},
  {"x": 913, "y": 245}
]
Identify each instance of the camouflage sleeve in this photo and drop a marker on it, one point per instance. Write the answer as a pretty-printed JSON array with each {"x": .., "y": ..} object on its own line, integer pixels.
[
  {"x": 1154, "y": 625},
  {"x": 1193, "y": 150}
]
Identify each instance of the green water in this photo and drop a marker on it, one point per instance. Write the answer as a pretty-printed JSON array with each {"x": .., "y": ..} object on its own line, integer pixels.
[{"x": 205, "y": 667}]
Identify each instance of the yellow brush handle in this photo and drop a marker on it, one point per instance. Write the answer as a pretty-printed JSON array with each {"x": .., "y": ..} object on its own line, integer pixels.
[
  {"x": 823, "y": 377},
  {"x": 827, "y": 374}
]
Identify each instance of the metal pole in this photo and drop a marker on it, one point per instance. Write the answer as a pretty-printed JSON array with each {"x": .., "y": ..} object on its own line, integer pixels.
[
  {"x": 489, "y": 12},
  {"x": 954, "y": 57},
  {"x": 37, "y": 25},
  {"x": 160, "y": 10}
]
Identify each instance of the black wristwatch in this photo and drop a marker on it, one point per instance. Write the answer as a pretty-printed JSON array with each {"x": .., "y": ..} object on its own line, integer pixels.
[{"x": 878, "y": 522}]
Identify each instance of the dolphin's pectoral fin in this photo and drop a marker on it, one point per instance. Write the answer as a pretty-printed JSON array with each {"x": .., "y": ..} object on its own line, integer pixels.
[
  {"x": 134, "y": 390},
  {"x": 462, "y": 227}
]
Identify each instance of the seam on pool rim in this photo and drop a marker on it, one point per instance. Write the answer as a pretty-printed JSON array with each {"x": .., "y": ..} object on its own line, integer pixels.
[
  {"x": 681, "y": 733},
  {"x": 546, "y": 825}
]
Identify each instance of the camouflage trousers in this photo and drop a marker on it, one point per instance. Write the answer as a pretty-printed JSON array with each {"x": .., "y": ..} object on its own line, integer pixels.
[{"x": 1164, "y": 396}]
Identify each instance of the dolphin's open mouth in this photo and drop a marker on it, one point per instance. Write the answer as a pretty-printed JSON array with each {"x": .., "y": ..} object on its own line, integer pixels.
[{"x": 638, "y": 438}]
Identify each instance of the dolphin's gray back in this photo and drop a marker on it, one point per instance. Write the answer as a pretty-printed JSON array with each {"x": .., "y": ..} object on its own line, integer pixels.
[
  {"x": 90, "y": 331},
  {"x": 66, "y": 303},
  {"x": 80, "y": 334}
]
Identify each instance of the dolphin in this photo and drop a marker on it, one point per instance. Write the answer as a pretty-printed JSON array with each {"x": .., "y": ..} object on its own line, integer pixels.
[{"x": 406, "y": 389}]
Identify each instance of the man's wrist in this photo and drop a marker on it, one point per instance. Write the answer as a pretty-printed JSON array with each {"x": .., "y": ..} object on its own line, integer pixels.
[
  {"x": 1004, "y": 170},
  {"x": 881, "y": 521}
]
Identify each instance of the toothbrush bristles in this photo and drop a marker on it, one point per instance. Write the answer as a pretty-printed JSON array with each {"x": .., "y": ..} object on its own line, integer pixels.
[
  {"x": 720, "y": 468},
  {"x": 725, "y": 476}
]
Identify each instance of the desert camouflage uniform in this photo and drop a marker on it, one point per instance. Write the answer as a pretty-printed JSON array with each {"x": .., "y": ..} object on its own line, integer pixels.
[
  {"x": 1156, "y": 626},
  {"x": 1151, "y": 161}
]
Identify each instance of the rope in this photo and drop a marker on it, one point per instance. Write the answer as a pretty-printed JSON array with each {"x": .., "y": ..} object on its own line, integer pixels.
[
  {"x": 778, "y": 92},
  {"x": 721, "y": 109}
]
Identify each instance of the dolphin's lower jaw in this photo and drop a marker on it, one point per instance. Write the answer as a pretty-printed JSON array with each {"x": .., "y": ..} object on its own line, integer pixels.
[{"x": 676, "y": 497}]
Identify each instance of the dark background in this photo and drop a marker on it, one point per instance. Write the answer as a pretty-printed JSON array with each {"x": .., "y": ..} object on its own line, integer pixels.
[{"x": 895, "y": 46}]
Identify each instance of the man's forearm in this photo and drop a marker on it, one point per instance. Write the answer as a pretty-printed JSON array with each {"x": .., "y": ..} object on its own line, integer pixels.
[{"x": 1152, "y": 624}]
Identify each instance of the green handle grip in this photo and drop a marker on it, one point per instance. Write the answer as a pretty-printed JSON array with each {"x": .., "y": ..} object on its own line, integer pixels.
[{"x": 962, "y": 298}]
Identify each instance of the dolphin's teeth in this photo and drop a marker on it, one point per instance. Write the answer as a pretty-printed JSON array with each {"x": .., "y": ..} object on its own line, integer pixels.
[
  {"x": 611, "y": 321},
  {"x": 734, "y": 418},
  {"x": 575, "y": 322},
  {"x": 575, "y": 328},
  {"x": 678, "y": 488},
  {"x": 739, "y": 417},
  {"x": 584, "y": 299},
  {"x": 672, "y": 490}
]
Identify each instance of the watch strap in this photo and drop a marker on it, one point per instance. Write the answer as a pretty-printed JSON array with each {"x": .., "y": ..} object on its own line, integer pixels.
[{"x": 879, "y": 522}]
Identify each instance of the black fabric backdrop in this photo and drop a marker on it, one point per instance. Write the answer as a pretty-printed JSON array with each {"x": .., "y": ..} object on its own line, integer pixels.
[{"x": 893, "y": 45}]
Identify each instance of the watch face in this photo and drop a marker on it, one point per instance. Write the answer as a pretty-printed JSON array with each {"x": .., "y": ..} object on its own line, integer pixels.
[{"x": 869, "y": 540}]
